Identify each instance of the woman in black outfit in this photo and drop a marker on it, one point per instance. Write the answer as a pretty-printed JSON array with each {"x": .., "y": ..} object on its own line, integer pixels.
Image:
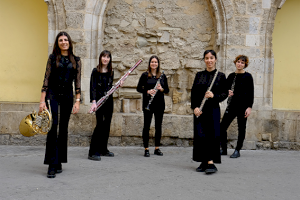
[
  {"x": 146, "y": 86},
  {"x": 207, "y": 125},
  {"x": 101, "y": 81},
  {"x": 239, "y": 105},
  {"x": 63, "y": 67}
]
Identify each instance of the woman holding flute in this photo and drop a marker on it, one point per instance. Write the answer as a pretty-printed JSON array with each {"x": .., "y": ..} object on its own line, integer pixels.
[{"x": 207, "y": 121}]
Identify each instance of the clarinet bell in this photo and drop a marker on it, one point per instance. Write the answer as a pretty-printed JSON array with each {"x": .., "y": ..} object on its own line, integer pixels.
[{"x": 147, "y": 108}]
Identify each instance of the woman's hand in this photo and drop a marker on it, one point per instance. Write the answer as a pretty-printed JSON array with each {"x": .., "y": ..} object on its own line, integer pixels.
[
  {"x": 197, "y": 112},
  {"x": 209, "y": 94},
  {"x": 248, "y": 112},
  {"x": 151, "y": 92},
  {"x": 94, "y": 106},
  {"x": 76, "y": 107},
  {"x": 121, "y": 84},
  {"x": 42, "y": 106},
  {"x": 159, "y": 88},
  {"x": 230, "y": 93}
]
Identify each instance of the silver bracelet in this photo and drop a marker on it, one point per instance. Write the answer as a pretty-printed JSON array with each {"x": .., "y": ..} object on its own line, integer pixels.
[
  {"x": 42, "y": 102},
  {"x": 77, "y": 99}
]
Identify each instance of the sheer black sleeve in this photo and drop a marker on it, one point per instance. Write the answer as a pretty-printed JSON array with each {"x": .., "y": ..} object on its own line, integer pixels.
[
  {"x": 47, "y": 74},
  {"x": 78, "y": 77},
  {"x": 142, "y": 83},
  {"x": 93, "y": 84}
]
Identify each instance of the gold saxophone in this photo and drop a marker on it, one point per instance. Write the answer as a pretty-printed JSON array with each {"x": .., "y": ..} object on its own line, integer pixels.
[{"x": 36, "y": 123}]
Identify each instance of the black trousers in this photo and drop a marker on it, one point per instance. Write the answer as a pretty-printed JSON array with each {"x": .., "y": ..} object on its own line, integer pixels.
[
  {"x": 158, "y": 116},
  {"x": 226, "y": 121},
  {"x": 57, "y": 142},
  {"x": 101, "y": 132}
]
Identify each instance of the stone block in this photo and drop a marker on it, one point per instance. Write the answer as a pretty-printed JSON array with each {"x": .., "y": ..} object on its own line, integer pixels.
[
  {"x": 249, "y": 145},
  {"x": 252, "y": 40},
  {"x": 82, "y": 51},
  {"x": 193, "y": 64},
  {"x": 4, "y": 139},
  {"x": 77, "y": 36},
  {"x": 81, "y": 124},
  {"x": 29, "y": 107},
  {"x": 258, "y": 91},
  {"x": 114, "y": 141},
  {"x": 88, "y": 21},
  {"x": 165, "y": 38},
  {"x": 74, "y": 20},
  {"x": 126, "y": 105},
  {"x": 150, "y": 22},
  {"x": 86, "y": 69},
  {"x": 131, "y": 81},
  {"x": 124, "y": 23},
  {"x": 233, "y": 39},
  {"x": 168, "y": 103},
  {"x": 266, "y": 137},
  {"x": 90, "y": 6},
  {"x": 10, "y": 107},
  {"x": 141, "y": 42},
  {"x": 254, "y": 8},
  {"x": 266, "y": 4},
  {"x": 240, "y": 7},
  {"x": 133, "y": 125},
  {"x": 259, "y": 80},
  {"x": 171, "y": 126},
  {"x": 75, "y": 5},
  {"x": 116, "y": 125},
  {"x": 254, "y": 25},
  {"x": 129, "y": 93},
  {"x": 132, "y": 106},
  {"x": 242, "y": 25}
]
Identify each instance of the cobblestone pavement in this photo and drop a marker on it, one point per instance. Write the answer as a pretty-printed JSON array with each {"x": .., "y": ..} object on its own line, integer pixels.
[{"x": 255, "y": 175}]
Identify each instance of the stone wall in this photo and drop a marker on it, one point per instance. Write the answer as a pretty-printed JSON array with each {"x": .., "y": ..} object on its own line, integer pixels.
[{"x": 178, "y": 31}]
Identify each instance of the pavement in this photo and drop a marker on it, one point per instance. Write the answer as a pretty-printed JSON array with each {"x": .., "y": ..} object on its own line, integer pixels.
[{"x": 256, "y": 175}]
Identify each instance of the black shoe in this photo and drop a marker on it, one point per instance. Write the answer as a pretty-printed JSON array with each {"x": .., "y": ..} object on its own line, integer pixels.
[
  {"x": 202, "y": 167},
  {"x": 108, "y": 154},
  {"x": 94, "y": 157},
  {"x": 158, "y": 152},
  {"x": 223, "y": 152},
  {"x": 235, "y": 154},
  {"x": 147, "y": 154},
  {"x": 51, "y": 172},
  {"x": 211, "y": 168},
  {"x": 58, "y": 168}
]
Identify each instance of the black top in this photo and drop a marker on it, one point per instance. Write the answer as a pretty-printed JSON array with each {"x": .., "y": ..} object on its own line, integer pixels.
[
  {"x": 147, "y": 83},
  {"x": 202, "y": 81},
  {"x": 100, "y": 83},
  {"x": 243, "y": 90},
  {"x": 59, "y": 79}
]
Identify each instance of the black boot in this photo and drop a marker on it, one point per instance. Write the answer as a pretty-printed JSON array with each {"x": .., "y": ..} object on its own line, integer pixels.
[
  {"x": 51, "y": 172},
  {"x": 158, "y": 152},
  {"x": 202, "y": 167},
  {"x": 235, "y": 154},
  {"x": 211, "y": 168},
  {"x": 147, "y": 154}
]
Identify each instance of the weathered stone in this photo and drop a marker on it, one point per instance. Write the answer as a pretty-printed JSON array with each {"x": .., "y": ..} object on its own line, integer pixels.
[
  {"x": 266, "y": 137},
  {"x": 124, "y": 23},
  {"x": 141, "y": 42},
  {"x": 116, "y": 125},
  {"x": 168, "y": 103},
  {"x": 74, "y": 5},
  {"x": 165, "y": 37},
  {"x": 133, "y": 125},
  {"x": 176, "y": 96},
  {"x": 249, "y": 145},
  {"x": 254, "y": 25},
  {"x": 252, "y": 40},
  {"x": 126, "y": 105},
  {"x": 75, "y": 20}
]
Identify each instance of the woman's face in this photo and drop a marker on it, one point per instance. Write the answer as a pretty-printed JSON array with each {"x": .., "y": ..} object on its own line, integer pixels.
[
  {"x": 105, "y": 60},
  {"x": 154, "y": 63},
  {"x": 240, "y": 65},
  {"x": 210, "y": 61},
  {"x": 63, "y": 43}
]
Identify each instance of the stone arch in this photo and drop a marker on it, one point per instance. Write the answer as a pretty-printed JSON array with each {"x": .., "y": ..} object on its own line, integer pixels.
[{"x": 56, "y": 20}]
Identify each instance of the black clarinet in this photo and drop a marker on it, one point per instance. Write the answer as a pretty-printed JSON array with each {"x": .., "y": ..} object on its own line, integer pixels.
[
  {"x": 230, "y": 98},
  {"x": 152, "y": 97}
]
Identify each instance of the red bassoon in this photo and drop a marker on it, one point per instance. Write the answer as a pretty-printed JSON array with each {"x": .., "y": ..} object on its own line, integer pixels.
[{"x": 115, "y": 87}]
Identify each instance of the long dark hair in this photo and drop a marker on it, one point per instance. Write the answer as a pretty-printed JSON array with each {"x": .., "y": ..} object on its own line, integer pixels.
[
  {"x": 57, "y": 51},
  {"x": 157, "y": 69},
  {"x": 209, "y": 51},
  {"x": 109, "y": 66}
]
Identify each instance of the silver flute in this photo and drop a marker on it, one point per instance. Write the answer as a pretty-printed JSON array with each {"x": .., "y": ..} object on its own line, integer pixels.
[
  {"x": 230, "y": 98},
  {"x": 208, "y": 90},
  {"x": 155, "y": 88}
]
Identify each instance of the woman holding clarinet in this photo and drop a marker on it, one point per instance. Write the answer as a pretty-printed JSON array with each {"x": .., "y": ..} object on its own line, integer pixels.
[
  {"x": 240, "y": 101},
  {"x": 209, "y": 87},
  {"x": 153, "y": 101}
]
